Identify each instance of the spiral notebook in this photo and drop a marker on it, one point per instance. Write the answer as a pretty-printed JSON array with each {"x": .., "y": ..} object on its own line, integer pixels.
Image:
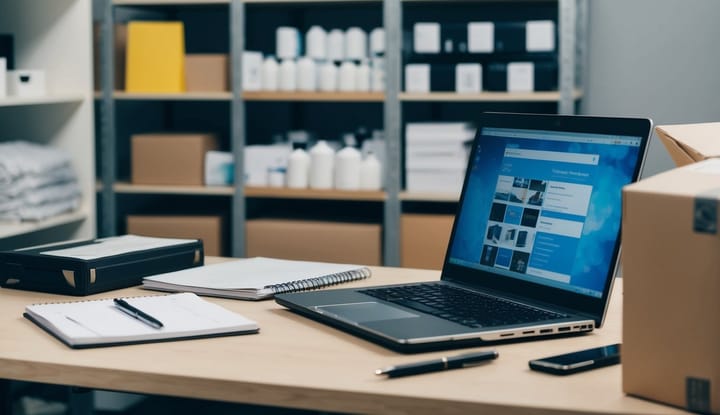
[
  {"x": 94, "y": 323},
  {"x": 256, "y": 278}
]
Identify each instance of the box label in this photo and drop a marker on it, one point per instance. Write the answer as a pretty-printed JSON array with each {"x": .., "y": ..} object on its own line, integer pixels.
[
  {"x": 697, "y": 395},
  {"x": 705, "y": 215}
]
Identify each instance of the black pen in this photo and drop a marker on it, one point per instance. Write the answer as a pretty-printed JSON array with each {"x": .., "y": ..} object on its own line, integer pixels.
[
  {"x": 133, "y": 312},
  {"x": 444, "y": 363}
]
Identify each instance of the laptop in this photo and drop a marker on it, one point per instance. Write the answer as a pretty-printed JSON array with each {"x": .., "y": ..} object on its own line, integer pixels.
[{"x": 534, "y": 245}]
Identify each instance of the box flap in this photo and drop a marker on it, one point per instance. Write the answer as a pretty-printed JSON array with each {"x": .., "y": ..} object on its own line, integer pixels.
[{"x": 689, "y": 143}]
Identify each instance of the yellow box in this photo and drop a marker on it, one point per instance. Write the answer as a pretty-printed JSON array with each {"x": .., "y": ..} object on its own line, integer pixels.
[
  {"x": 170, "y": 158},
  {"x": 155, "y": 57},
  {"x": 424, "y": 240},
  {"x": 209, "y": 228},
  {"x": 355, "y": 243}
]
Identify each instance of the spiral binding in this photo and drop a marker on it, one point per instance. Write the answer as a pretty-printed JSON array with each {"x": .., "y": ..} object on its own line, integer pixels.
[{"x": 319, "y": 282}]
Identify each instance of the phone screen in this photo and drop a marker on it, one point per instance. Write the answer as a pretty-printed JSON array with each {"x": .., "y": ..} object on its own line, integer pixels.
[{"x": 578, "y": 361}]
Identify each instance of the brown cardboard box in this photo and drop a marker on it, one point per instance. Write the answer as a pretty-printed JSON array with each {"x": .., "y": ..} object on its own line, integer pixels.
[
  {"x": 120, "y": 40},
  {"x": 689, "y": 143},
  {"x": 671, "y": 272},
  {"x": 424, "y": 240},
  {"x": 357, "y": 243},
  {"x": 207, "y": 73},
  {"x": 171, "y": 158},
  {"x": 208, "y": 228}
]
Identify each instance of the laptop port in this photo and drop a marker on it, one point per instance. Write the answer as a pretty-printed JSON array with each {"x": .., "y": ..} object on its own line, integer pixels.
[
  {"x": 507, "y": 334},
  {"x": 529, "y": 332},
  {"x": 543, "y": 331},
  {"x": 564, "y": 329}
]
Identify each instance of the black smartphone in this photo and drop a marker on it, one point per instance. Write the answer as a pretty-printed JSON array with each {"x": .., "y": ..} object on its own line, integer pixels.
[{"x": 565, "y": 364}]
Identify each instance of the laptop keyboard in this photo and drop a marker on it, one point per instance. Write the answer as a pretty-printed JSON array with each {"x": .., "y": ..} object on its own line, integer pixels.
[{"x": 469, "y": 308}]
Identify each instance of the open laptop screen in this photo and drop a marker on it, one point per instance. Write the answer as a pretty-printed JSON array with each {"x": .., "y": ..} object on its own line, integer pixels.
[{"x": 544, "y": 206}]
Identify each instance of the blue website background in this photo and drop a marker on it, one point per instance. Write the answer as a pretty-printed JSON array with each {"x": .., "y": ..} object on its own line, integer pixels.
[{"x": 602, "y": 223}]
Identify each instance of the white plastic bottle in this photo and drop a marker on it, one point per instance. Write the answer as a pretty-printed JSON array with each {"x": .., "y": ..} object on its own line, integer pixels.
[
  {"x": 370, "y": 173},
  {"x": 347, "y": 169},
  {"x": 356, "y": 44},
  {"x": 298, "y": 169},
  {"x": 270, "y": 74},
  {"x": 328, "y": 77},
  {"x": 306, "y": 74},
  {"x": 336, "y": 45},
  {"x": 288, "y": 75},
  {"x": 322, "y": 163},
  {"x": 362, "y": 77},
  {"x": 347, "y": 81},
  {"x": 316, "y": 43}
]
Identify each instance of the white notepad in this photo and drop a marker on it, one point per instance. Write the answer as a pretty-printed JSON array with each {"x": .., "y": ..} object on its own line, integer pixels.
[
  {"x": 92, "y": 323},
  {"x": 256, "y": 278}
]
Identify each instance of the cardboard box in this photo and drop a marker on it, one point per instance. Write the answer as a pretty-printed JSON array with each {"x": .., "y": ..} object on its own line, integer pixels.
[
  {"x": 689, "y": 143},
  {"x": 120, "y": 46},
  {"x": 207, "y": 72},
  {"x": 424, "y": 239},
  {"x": 208, "y": 228},
  {"x": 171, "y": 158},
  {"x": 355, "y": 243},
  {"x": 671, "y": 272}
]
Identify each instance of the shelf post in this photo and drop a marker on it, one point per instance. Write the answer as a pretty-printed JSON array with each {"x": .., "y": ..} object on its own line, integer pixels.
[
  {"x": 566, "y": 72},
  {"x": 237, "y": 127},
  {"x": 108, "y": 225},
  {"x": 392, "y": 112}
]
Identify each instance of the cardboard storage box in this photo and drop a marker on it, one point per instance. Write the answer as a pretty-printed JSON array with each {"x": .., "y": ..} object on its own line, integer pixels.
[
  {"x": 671, "y": 272},
  {"x": 208, "y": 228},
  {"x": 207, "y": 73},
  {"x": 424, "y": 240},
  {"x": 356, "y": 243},
  {"x": 119, "y": 49},
  {"x": 689, "y": 143},
  {"x": 171, "y": 158}
]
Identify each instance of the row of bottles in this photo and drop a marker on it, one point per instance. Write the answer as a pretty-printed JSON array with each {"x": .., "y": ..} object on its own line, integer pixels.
[
  {"x": 305, "y": 74},
  {"x": 323, "y": 168}
]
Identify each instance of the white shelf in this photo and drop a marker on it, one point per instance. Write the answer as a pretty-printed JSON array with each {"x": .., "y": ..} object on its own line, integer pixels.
[
  {"x": 129, "y": 188},
  {"x": 428, "y": 197},
  {"x": 9, "y": 229},
  {"x": 50, "y": 99},
  {"x": 549, "y": 96},
  {"x": 182, "y": 96}
]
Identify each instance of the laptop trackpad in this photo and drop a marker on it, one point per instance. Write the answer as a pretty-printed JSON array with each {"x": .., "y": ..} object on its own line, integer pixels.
[{"x": 364, "y": 312}]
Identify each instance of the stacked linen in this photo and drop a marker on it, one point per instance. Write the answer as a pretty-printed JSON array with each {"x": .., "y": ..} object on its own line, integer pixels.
[{"x": 36, "y": 182}]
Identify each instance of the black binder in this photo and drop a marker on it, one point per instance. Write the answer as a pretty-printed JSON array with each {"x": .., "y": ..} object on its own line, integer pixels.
[{"x": 35, "y": 270}]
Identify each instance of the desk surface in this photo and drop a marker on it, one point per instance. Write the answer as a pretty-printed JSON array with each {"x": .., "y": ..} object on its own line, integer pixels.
[{"x": 296, "y": 362}]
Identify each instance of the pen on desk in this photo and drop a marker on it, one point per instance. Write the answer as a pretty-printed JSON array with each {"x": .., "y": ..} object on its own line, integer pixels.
[
  {"x": 436, "y": 365},
  {"x": 128, "y": 309}
]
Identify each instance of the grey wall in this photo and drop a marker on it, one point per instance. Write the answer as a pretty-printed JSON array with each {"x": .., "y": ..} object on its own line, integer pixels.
[{"x": 654, "y": 58}]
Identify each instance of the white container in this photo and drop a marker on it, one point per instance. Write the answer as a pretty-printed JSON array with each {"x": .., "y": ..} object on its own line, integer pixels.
[
  {"x": 287, "y": 42},
  {"x": 362, "y": 77},
  {"x": 288, "y": 75},
  {"x": 328, "y": 81},
  {"x": 252, "y": 64},
  {"x": 370, "y": 173},
  {"x": 316, "y": 43},
  {"x": 347, "y": 79},
  {"x": 355, "y": 44},
  {"x": 336, "y": 45},
  {"x": 3, "y": 77},
  {"x": 322, "y": 162},
  {"x": 306, "y": 74},
  {"x": 377, "y": 74},
  {"x": 377, "y": 42},
  {"x": 270, "y": 74},
  {"x": 347, "y": 169},
  {"x": 298, "y": 169},
  {"x": 26, "y": 83}
]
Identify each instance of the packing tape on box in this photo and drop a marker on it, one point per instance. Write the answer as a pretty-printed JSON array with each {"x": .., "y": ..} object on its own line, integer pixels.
[{"x": 705, "y": 215}]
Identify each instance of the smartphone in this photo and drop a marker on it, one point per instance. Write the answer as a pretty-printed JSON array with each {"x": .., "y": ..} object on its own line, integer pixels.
[{"x": 580, "y": 361}]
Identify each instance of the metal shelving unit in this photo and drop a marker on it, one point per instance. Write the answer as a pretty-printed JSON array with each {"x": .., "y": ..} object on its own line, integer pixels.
[{"x": 572, "y": 15}]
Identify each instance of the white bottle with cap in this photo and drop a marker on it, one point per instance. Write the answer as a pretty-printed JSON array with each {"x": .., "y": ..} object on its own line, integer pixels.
[
  {"x": 298, "y": 169},
  {"x": 336, "y": 45},
  {"x": 306, "y": 74},
  {"x": 322, "y": 163},
  {"x": 362, "y": 77},
  {"x": 270, "y": 74},
  {"x": 370, "y": 173},
  {"x": 347, "y": 79},
  {"x": 288, "y": 75},
  {"x": 347, "y": 168},
  {"x": 316, "y": 43},
  {"x": 287, "y": 42},
  {"x": 355, "y": 44},
  {"x": 377, "y": 42},
  {"x": 328, "y": 81}
]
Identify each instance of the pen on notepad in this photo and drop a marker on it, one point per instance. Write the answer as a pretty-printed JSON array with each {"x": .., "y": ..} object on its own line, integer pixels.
[
  {"x": 133, "y": 312},
  {"x": 436, "y": 365}
]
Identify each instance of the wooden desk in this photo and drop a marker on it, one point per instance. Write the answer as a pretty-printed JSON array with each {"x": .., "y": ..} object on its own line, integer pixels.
[{"x": 296, "y": 362}]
